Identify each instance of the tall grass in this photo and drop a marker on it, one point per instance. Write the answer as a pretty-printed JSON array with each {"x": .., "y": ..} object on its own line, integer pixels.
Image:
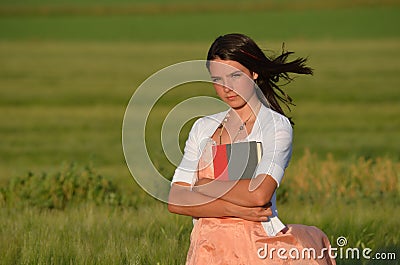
[
  {"x": 356, "y": 199},
  {"x": 89, "y": 234},
  {"x": 59, "y": 190},
  {"x": 316, "y": 181}
]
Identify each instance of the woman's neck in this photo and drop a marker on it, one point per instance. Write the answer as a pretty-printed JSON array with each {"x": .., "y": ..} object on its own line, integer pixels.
[{"x": 249, "y": 110}]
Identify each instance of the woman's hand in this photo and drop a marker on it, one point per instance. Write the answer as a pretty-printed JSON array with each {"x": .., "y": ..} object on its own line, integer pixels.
[{"x": 256, "y": 214}]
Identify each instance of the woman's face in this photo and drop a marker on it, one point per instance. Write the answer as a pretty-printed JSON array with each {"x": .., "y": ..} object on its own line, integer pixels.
[{"x": 233, "y": 82}]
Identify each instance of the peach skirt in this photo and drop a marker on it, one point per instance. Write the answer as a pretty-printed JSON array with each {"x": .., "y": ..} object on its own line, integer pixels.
[{"x": 233, "y": 241}]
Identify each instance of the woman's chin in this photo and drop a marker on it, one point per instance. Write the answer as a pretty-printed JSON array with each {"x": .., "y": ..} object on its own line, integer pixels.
[{"x": 236, "y": 105}]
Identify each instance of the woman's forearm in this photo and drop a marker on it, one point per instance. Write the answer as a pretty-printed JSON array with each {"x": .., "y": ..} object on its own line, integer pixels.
[
  {"x": 242, "y": 192},
  {"x": 186, "y": 202}
]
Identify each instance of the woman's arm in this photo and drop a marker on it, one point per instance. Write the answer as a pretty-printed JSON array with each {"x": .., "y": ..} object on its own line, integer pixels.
[
  {"x": 244, "y": 192},
  {"x": 277, "y": 146},
  {"x": 186, "y": 202}
]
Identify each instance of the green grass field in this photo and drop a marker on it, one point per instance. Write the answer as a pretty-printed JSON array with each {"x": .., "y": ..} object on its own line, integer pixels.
[{"x": 66, "y": 79}]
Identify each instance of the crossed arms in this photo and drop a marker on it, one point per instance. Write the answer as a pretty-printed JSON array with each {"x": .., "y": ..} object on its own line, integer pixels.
[{"x": 244, "y": 198}]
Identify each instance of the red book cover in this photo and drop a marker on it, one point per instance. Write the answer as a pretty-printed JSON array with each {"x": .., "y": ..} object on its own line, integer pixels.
[{"x": 236, "y": 161}]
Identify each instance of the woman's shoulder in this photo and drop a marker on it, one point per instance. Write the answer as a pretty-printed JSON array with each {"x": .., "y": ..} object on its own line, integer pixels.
[{"x": 281, "y": 122}]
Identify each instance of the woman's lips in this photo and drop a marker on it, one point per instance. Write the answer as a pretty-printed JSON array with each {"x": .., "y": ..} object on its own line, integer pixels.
[{"x": 231, "y": 97}]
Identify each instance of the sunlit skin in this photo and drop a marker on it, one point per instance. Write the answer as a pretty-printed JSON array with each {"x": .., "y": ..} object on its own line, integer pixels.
[{"x": 234, "y": 84}]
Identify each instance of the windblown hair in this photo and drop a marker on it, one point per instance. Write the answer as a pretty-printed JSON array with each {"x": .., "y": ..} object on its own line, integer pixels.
[{"x": 242, "y": 49}]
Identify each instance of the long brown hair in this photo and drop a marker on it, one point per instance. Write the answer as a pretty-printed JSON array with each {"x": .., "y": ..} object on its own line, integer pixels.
[{"x": 242, "y": 49}]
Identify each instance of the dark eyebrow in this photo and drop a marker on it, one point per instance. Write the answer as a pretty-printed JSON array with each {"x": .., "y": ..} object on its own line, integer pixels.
[
  {"x": 235, "y": 72},
  {"x": 238, "y": 71}
]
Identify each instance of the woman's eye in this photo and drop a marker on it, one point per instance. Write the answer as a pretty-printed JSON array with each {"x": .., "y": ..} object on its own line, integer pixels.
[
  {"x": 216, "y": 80},
  {"x": 236, "y": 75}
]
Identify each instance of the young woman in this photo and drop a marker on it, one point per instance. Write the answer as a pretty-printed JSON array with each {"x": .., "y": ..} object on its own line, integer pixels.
[{"x": 236, "y": 222}]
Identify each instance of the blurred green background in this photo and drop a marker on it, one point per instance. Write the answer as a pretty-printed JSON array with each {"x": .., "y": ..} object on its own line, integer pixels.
[{"x": 69, "y": 68}]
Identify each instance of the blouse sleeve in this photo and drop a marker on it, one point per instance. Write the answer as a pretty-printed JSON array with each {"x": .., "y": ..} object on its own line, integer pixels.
[
  {"x": 277, "y": 148},
  {"x": 187, "y": 169}
]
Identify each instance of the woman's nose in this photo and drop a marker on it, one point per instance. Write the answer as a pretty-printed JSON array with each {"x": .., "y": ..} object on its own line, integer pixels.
[
  {"x": 227, "y": 88},
  {"x": 228, "y": 85}
]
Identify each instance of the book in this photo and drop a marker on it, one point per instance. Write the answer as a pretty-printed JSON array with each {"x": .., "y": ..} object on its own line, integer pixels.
[{"x": 237, "y": 160}]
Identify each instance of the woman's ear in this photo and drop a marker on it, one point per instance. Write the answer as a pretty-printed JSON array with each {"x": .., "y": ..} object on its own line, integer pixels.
[{"x": 255, "y": 75}]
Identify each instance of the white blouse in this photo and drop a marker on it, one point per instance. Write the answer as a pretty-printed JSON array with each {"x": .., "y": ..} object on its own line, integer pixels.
[{"x": 272, "y": 129}]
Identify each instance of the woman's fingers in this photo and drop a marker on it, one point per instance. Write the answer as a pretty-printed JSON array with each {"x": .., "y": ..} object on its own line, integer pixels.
[
  {"x": 269, "y": 211},
  {"x": 257, "y": 214},
  {"x": 265, "y": 213}
]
